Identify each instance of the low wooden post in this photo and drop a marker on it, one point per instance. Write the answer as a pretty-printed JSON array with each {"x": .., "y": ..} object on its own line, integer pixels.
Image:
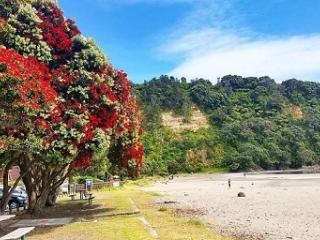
[{"x": 81, "y": 194}]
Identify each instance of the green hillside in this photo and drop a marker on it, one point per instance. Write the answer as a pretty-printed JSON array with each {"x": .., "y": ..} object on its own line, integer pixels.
[{"x": 254, "y": 123}]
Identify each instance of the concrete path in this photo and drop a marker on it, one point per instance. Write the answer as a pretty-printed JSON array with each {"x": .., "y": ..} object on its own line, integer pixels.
[
  {"x": 41, "y": 222},
  {"x": 151, "y": 231}
]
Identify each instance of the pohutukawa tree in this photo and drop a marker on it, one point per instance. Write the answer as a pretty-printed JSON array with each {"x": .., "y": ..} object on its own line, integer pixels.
[{"x": 61, "y": 101}]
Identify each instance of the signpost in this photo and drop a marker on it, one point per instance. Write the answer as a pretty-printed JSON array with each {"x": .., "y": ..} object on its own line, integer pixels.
[{"x": 89, "y": 184}]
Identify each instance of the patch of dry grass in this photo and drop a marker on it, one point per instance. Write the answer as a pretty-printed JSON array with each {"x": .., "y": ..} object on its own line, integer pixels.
[{"x": 170, "y": 226}]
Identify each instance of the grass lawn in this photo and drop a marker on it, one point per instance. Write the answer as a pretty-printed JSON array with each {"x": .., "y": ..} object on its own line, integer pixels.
[
  {"x": 113, "y": 228},
  {"x": 93, "y": 224}
]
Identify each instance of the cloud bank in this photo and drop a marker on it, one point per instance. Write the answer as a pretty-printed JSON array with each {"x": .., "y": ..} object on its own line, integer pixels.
[
  {"x": 212, "y": 41},
  {"x": 212, "y": 54}
]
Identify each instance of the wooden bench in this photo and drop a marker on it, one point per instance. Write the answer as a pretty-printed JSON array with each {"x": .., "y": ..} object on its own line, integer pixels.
[
  {"x": 19, "y": 233},
  {"x": 6, "y": 217}
]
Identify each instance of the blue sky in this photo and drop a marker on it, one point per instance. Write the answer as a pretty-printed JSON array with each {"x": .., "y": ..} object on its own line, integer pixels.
[{"x": 204, "y": 38}]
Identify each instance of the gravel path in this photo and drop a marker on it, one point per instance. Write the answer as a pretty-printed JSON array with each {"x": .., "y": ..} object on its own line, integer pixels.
[{"x": 276, "y": 207}]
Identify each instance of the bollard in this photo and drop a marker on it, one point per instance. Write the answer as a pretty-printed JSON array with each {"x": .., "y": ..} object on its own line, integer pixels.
[{"x": 81, "y": 195}]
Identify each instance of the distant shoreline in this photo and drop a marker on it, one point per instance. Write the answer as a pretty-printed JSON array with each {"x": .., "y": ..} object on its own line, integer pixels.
[{"x": 307, "y": 170}]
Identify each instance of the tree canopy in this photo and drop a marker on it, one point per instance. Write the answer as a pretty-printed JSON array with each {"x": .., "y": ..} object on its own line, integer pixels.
[{"x": 62, "y": 102}]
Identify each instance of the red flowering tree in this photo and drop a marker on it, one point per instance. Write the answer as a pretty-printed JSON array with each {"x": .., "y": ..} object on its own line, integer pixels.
[
  {"x": 25, "y": 92},
  {"x": 79, "y": 103},
  {"x": 126, "y": 151}
]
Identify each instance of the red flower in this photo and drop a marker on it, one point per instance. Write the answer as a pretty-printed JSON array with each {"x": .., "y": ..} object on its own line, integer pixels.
[
  {"x": 83, "y": 161},
  {"x": 56, "y": 112},
  {"x": 122, "y": 87},
  {"x": 71, "y": 123},
  {"x": 42, "y": 124},
  {"x": 62, "y": 77},
  {"x": 94, "y": 120},
  {"x": 35, "y": 79},
  {"x": 111, "y": 95},
  {"x": 57, "y": 31},
  {"x": 3, "y": 145},
  {"x": 40, "y": 85}
]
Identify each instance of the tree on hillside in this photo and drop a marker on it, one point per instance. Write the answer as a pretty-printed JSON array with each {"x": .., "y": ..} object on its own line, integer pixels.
[{"x": 260, "y": 124}]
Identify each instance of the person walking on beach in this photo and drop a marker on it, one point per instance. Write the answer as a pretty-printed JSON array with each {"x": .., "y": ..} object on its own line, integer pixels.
[{"x": 229, "y": 183}]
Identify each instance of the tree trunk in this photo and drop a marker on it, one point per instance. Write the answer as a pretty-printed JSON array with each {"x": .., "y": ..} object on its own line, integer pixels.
[
  {"x": 52, "y": 198},
  {"x": 38, "y": 188},
  {"x": 41, "y": 202},
  {"x": 5, "y": 195},
  {"x": 42, "y": 183},
  {"x": 32, "y": 192}
]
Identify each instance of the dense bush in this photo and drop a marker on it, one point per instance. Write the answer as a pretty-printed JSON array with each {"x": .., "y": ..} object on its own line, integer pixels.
[{"x": 255, "y": 124}]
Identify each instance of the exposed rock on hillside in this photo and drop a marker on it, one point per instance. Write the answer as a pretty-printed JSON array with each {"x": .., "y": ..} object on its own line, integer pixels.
[
  {"x": 295, "y": 111},
  {"x": 198, "y": 120}
]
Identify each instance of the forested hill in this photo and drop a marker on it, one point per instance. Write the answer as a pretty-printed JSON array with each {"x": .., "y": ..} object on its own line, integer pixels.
[{"x": 254, "y": 123}]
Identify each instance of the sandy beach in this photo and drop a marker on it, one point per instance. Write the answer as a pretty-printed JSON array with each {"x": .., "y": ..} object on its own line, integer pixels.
[{"x": 276, "y": 206}]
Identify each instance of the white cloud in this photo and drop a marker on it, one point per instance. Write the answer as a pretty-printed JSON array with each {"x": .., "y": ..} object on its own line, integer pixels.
[
  {"x": 212, "y": 41},
  {"x": 200, "y": 41},
  {"x": 211, "y": 54}
]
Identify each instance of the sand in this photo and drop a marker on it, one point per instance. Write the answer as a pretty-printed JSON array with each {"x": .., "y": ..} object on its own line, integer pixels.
[{"x": 276, "y": 207}]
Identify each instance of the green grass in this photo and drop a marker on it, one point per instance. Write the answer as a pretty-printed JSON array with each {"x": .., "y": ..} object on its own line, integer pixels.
[
  {"x": 214, "y": 170},
  {"x": 142, "y": 182},
  {"x": 94, "y": 226},
  {"x": 116, "y": 228}
]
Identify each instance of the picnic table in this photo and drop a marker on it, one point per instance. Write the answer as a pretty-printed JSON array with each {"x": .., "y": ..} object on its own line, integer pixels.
[{"x": 19, "y": 233}]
